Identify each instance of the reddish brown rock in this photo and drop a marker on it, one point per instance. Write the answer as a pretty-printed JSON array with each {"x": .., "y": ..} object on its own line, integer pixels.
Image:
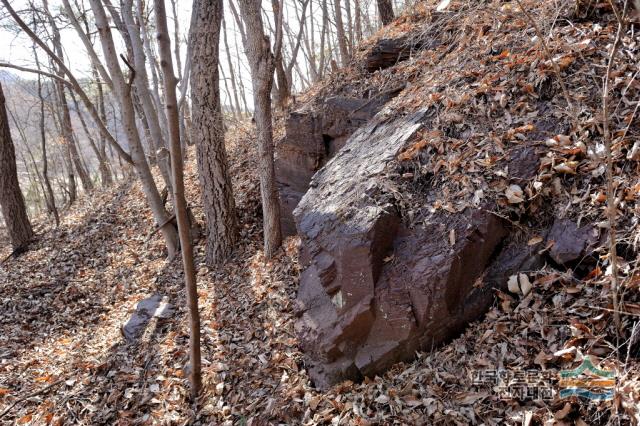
[
  {"x": 387, "y": 52},
  {"x": 372, "y": 291},
  {"x": 312, "y": 137},
  {"x": 570, "y": 242}
]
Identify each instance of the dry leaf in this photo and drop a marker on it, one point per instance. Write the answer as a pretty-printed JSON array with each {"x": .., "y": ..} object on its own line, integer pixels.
[
  {"x": 443, "y": 5},
  {"x": 514, "y": 194}
]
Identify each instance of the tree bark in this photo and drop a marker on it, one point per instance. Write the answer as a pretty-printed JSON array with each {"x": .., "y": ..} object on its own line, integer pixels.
[
  {"x": 358, "y": 21},
  {"x": 207, "y": 131},
  {"x": 184, "y": 228},
  {"x": 385, "y": 10},
  {"x": 296, "y": 47},
  {"x": 261, "y": 62},
  {"x": 11, "y": 199},
  {"x": 342, "y": 38},
  {"x": 283, "y": 92},
  {"x": 50, "y": 197}
]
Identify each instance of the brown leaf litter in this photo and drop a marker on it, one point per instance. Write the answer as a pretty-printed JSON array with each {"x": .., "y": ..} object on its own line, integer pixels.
[{"x": 488, "y": 81}]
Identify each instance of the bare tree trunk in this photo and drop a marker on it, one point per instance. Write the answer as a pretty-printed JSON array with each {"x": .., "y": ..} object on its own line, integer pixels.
[
  {"x": 67, "y": 129},
  {"x": 358, "y": 21},
  {"x": 208, "y": 133},
  {"x": 309, "y": 43},
  {"x": 231, "y": 72},
  {"x": 153, "y": 63},
  {"x": 100, "y": 156},
  {"x": 342, "y": 38},
  {"x": 243, "y": 94},
  {"x": 105, "y": 170},
  {"x": 296, "y": 47},
  {"x": 385, "y": 10},
  {"x": 142, "y": 85},
  {"x": 50, "y": 196},
  {"x": 347, "y": 8},
  {"x": 281, "y": 75},
  {"x": 11, "y": 199},
  {"x": 184, "y": 228},
  {"x": 231, "y": 108},
  {"x": 323, "y": 36},
  {"x": 123, "y": 94},
  {"x": 65, "y": 142},
  {"x": 261, "y": 62},
  {"x": 176, "y": 39},
  {"x": 82, "y": 159}
]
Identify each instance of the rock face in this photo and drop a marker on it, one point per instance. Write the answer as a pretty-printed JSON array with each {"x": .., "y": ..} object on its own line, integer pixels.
[
  {"x": 389, "y": 51},
  {"x": 312, "y": 138},
  {"x": 372, "y": 291}
]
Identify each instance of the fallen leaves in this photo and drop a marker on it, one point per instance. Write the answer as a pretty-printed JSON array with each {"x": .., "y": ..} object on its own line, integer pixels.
[
  {"x": 514, "y": 194},
  {"x": 519, "y": 284},
  {"x": 63, "y": 302}
]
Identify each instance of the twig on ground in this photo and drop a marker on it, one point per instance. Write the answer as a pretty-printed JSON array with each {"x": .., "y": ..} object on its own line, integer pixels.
[
  {"x": 31, "y": 395},
  {"x": 611, "y": 208}
]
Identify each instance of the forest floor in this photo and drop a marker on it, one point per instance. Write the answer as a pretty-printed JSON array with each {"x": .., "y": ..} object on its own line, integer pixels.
[{"x": 64, "y": 360}]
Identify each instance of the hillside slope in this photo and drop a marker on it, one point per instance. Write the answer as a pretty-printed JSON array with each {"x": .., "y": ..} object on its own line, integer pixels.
[{"x": 64, "y": 302}]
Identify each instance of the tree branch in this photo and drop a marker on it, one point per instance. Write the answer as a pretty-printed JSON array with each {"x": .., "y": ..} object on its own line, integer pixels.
[{"x": 34, "y": 71}]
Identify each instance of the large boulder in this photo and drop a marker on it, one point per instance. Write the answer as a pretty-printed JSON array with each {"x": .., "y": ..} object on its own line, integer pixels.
[
  {"x": 314, "y": 134},
  {"x": 373, "y": 291}
]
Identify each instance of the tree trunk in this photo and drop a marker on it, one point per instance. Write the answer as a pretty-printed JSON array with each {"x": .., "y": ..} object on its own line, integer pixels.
[
  {"x": 261, "y": 62},
  {"x": 11, "y": 199},
  {"x": 105, "y": 170},
  {"x": 123, "y": 94},
  {"x": 207, "y": 131},
  {"x": 358, "y": 21},
  {"x": 347, "y": 8},
  {"x": 231, "y": 72},
  {"x": 385, "y": 10},
  {"x": 324, "y": 36},
  {"x": 142, "y": 89},
  {"x": 283, "y": 92},
  {"x": 296, "y": 47},
  {"x": 67, "y": 129},
  {"x": 50, "y": 196},
  {"x": 342, "y": 38},
  {"x": 184, "y": 228}
]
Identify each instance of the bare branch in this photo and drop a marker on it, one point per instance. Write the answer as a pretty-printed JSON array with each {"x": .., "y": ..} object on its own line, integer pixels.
[{"x": 34, "y": 71}]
